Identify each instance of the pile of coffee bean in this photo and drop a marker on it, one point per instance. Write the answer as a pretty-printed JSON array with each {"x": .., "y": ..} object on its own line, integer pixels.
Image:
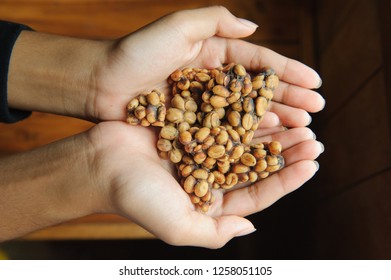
[{"x": 208, "y": 129}]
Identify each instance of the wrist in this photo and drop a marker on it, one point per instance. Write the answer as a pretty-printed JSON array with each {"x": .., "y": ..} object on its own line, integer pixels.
[{"x": 53, "y": 74}]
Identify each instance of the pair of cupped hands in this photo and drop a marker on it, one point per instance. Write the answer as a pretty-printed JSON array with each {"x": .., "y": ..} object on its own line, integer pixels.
[{"x": 140, "y": 185}]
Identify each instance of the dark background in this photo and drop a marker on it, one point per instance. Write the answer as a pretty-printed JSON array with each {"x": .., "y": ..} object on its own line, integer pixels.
[{"x": 344, "y": 212}]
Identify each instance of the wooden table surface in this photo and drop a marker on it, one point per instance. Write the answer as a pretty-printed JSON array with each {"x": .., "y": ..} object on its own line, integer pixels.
[{"x": 285, "y": 26}]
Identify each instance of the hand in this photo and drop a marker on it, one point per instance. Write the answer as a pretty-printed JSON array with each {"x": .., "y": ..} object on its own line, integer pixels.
[
  {"x": 204, "y": 38},
  {"x": 142, "y": 187}
]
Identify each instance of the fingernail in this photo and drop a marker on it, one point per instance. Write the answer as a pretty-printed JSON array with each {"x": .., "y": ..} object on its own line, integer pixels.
[
  {"x": 321, "y": 147},
  {"x": 245, "y": 232},
  {"x": 316, "y": 164},
  {"x": 248, "y": 23},
  {"x": 324, "y": 103},
  {"x": 313, "y": 136},
  {"x": 310, "y": 120},
  {"x": 320, "y": 83}
]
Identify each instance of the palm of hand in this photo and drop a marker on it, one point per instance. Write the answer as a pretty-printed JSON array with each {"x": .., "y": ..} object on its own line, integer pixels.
[{"x": 144, "y": 189}]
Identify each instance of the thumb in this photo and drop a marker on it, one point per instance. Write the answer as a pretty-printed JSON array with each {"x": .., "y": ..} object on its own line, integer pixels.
[
  {"x": 216, "y": 232},
  {"x": 200, "y": 24}
]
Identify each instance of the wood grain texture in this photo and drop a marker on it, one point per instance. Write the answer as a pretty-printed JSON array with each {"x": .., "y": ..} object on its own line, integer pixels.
[
  {"x": 357, "y": 139},
  {"x": 352, "y": 56},
  {"x": 357, "y": 223}
]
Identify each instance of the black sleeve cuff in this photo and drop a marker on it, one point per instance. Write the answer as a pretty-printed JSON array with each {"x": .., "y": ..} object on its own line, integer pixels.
[{"x": 9, "y": 32}]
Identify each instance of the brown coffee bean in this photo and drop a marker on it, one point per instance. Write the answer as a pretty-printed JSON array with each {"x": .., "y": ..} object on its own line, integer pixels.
[
  {"x": 223, "y": 166},
  {"x": 161, "y": 113},
  {"x": 220, "y": 112},
  {"x": 174, "y": 115},
  {"x": 194, "y": 199},
  {"x": 202, "y": 134},
  {"x": 252, "y": 176},
  {"x": 190, "y": 105},
  {"x": 140, "y": 112},
  {"x": 272, "y": 82},
  {"x": 219, "y": 177},
  {"x": 248, "y": 137},
  {"x": 200, "y": 174},
  {"x": 211, "y": 120},
  {"x": 190, "y": 117},
  {"x": 240, "y": 70},
  {"x": 222, "y": 138},
  {"x": 247, "y": 121},
  {"x": 201, "y": 188},
  {"x": 132, "y": 120},
  {"x": 261, "y": 105},
  {"x": 133, "y": 104},
  {"x": 175, "y": 155},
  {"x": 207, "y": 197},
  {"x": 259, "y": 153},
  {"x": 200, "y": 157},
  {"x": 221, "y": 91},
  {"x": 176, "y": 75},
  {"x": 169, "y": 132},
  {"x": 243, "y": 178},
  {"x": 237, "y": 106},
  {"x": 272, "y": 168},
  {"x": 189, "y": 184},
  {"x": 145, "y": 123},
  {"x": 240, "y": 168},
  {"x": 164, "y": 145},
  {"x": 231, "y": 179},
  {"x": 235, "y": 96},
  {"x": 257, "y": 82},
  {"x": 220, "y": 78},
  {"x": 187, "y": 170},
  {"x": 247, "y": 87},
  {"x": 237, "y": 152},
  {"x": 185, "y": 137},
  {"x": 248, "y": 104},
  {"x": 153, "y": 98},
  {"x": 234, "y": 135},
  {"x": 211, "y": 177},
  {"x": 202, "y": 77},
  {"x": 216, "y": 151},
  {"x": 275, "y": 147},
  {"x": 183, "y": 83},
  {"x": 196, "y": 87},
  {"x": 266, "y": 92},
  {"x": 142, "y": 99},
  {"x": 151, "y": 114},
  {"x": 209, "y": 141},
  {"x": 178, "y": 102},
  {"x": 272, "y": 160},
  {"x": 234, "y": 118},
  {"x": 209, "y": 163},
  {"x": 248, "y": 159},
  {"x": 185, "y": 93},
  {"x": 183, "y": 126},
  {"x": 236, "y": 86},
  {"x": 218, "y": 101}
]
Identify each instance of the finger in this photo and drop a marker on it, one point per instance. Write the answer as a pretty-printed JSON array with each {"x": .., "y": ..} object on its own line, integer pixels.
[
  {"x": 267, "y": 132},
  {"x": 288, "y": 138},
  {"x": 299, "y": 97},
  {"x": 309, "y": 149},
  {"x": 262, "y": 194},
  {"x": 254, "y": 57},
  {"x": 270, "y": 119},
  {"x": 201, "y": 230},
  {"x": 203, "y": 23},
  {"x": 290, "y": 116}
]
